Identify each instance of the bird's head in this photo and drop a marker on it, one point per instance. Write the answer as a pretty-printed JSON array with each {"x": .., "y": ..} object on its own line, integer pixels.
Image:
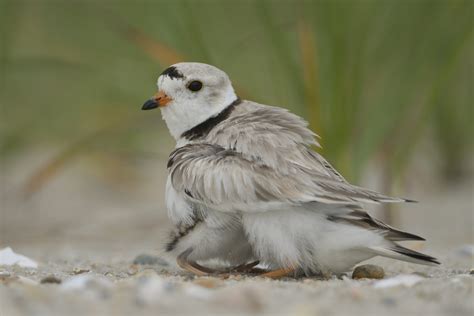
[{"x": 189, "y": 94}]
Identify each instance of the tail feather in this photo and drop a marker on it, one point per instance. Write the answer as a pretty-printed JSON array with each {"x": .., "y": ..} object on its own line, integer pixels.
[
  {"x": 397, "y": 235},
  {"x": 414, "y": 254},
  {"x": 396, "y": 251},
  {"x": 360, "y": 218}
]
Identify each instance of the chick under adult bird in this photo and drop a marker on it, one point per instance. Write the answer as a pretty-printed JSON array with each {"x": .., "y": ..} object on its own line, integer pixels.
[{"x": 244, "y": 174}]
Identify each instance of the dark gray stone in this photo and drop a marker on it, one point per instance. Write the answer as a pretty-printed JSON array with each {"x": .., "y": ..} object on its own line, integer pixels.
[
  {"x": 145, "y": 259},
  {"x": 51, "y": 279}
]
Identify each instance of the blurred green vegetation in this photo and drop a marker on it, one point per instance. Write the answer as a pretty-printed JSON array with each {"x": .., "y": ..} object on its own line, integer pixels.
[{"x": 373, "y": 78}]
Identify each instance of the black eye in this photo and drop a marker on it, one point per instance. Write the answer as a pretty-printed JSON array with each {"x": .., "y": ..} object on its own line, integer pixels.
[{"x": 195, "y": 85}]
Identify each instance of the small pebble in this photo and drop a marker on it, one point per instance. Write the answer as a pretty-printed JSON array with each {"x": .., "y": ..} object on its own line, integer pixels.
[
  {"x": 145, "y": 259},
  {"x": 471, "y": 272},
  {"x": 368, "y": 271},
  {"x": 51, "y": 279},
  {"x": 132, "y": 269},
  {"x": 79, "y": 271}
]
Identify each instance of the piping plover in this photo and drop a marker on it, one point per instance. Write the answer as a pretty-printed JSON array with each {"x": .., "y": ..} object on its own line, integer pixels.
[
  {"x": 244, "y": 174},
  {"x": 200, "y": 233}
]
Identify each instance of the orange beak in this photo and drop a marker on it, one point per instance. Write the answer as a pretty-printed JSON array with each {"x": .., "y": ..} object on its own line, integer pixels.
[{"x": 159, "y": 100}]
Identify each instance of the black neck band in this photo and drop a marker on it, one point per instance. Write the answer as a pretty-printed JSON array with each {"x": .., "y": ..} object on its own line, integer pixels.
[{"x": 205, "y": 127}]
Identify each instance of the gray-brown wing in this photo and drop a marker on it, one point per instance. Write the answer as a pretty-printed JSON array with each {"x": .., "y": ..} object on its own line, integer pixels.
[
  {"x": 280, "y": 139},
  {"x": 224, "y": 179}
]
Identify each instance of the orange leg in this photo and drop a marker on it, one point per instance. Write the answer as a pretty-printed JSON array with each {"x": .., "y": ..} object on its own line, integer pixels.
[
  {"x": 276, "y": 274},
  {"x": 246, "y": 267},
  {"x": 191, "y": 266}
]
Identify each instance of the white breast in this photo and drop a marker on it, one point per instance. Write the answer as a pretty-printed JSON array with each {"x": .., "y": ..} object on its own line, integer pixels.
[{"x": 179, "y": 210}]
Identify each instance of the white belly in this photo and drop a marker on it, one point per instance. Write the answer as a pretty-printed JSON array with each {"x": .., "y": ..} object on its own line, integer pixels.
[{"x": 307, "y": 240}]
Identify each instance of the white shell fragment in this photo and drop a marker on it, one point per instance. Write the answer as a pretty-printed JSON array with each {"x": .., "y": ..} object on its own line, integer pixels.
[
  {"x": 10, "y": 258},
  {"x": 407, "y": 280}
]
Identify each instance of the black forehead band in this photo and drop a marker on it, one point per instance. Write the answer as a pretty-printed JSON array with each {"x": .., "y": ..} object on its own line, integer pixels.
[{"x": 173, "y": 73}]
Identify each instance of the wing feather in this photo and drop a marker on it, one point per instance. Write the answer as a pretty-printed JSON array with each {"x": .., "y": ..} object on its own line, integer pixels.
[{"x": 229, "y": 181}]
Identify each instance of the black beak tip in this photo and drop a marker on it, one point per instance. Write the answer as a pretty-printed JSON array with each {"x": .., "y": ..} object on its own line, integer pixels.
[{"x": 150, "y": 104}]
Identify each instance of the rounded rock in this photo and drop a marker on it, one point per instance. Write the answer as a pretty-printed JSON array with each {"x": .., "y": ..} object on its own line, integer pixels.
[
  {"x": 368, "y": 271},
  {"x": 51, "y": 279}
]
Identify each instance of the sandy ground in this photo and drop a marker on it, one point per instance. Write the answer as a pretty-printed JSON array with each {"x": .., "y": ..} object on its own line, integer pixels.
[
  {"x": 85, "y": 231},
  {"x": 124, "y": 288}
]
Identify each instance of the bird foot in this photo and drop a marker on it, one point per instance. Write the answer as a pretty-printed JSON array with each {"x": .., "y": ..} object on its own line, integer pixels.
[
  {"x": 192, "y": 266},
  {"x": 279, "y": 273},
  {"x": 199, "y": 270}
]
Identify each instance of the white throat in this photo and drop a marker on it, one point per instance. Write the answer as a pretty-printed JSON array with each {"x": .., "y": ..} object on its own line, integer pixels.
[{"x": 183, "y": 116}]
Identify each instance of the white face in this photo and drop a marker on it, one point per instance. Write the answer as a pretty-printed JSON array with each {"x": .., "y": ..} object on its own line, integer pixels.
[{"x": 191, "y": 93}]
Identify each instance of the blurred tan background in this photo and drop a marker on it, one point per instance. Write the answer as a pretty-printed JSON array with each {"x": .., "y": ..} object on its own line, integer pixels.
[{"x": 386, "y": 84}]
